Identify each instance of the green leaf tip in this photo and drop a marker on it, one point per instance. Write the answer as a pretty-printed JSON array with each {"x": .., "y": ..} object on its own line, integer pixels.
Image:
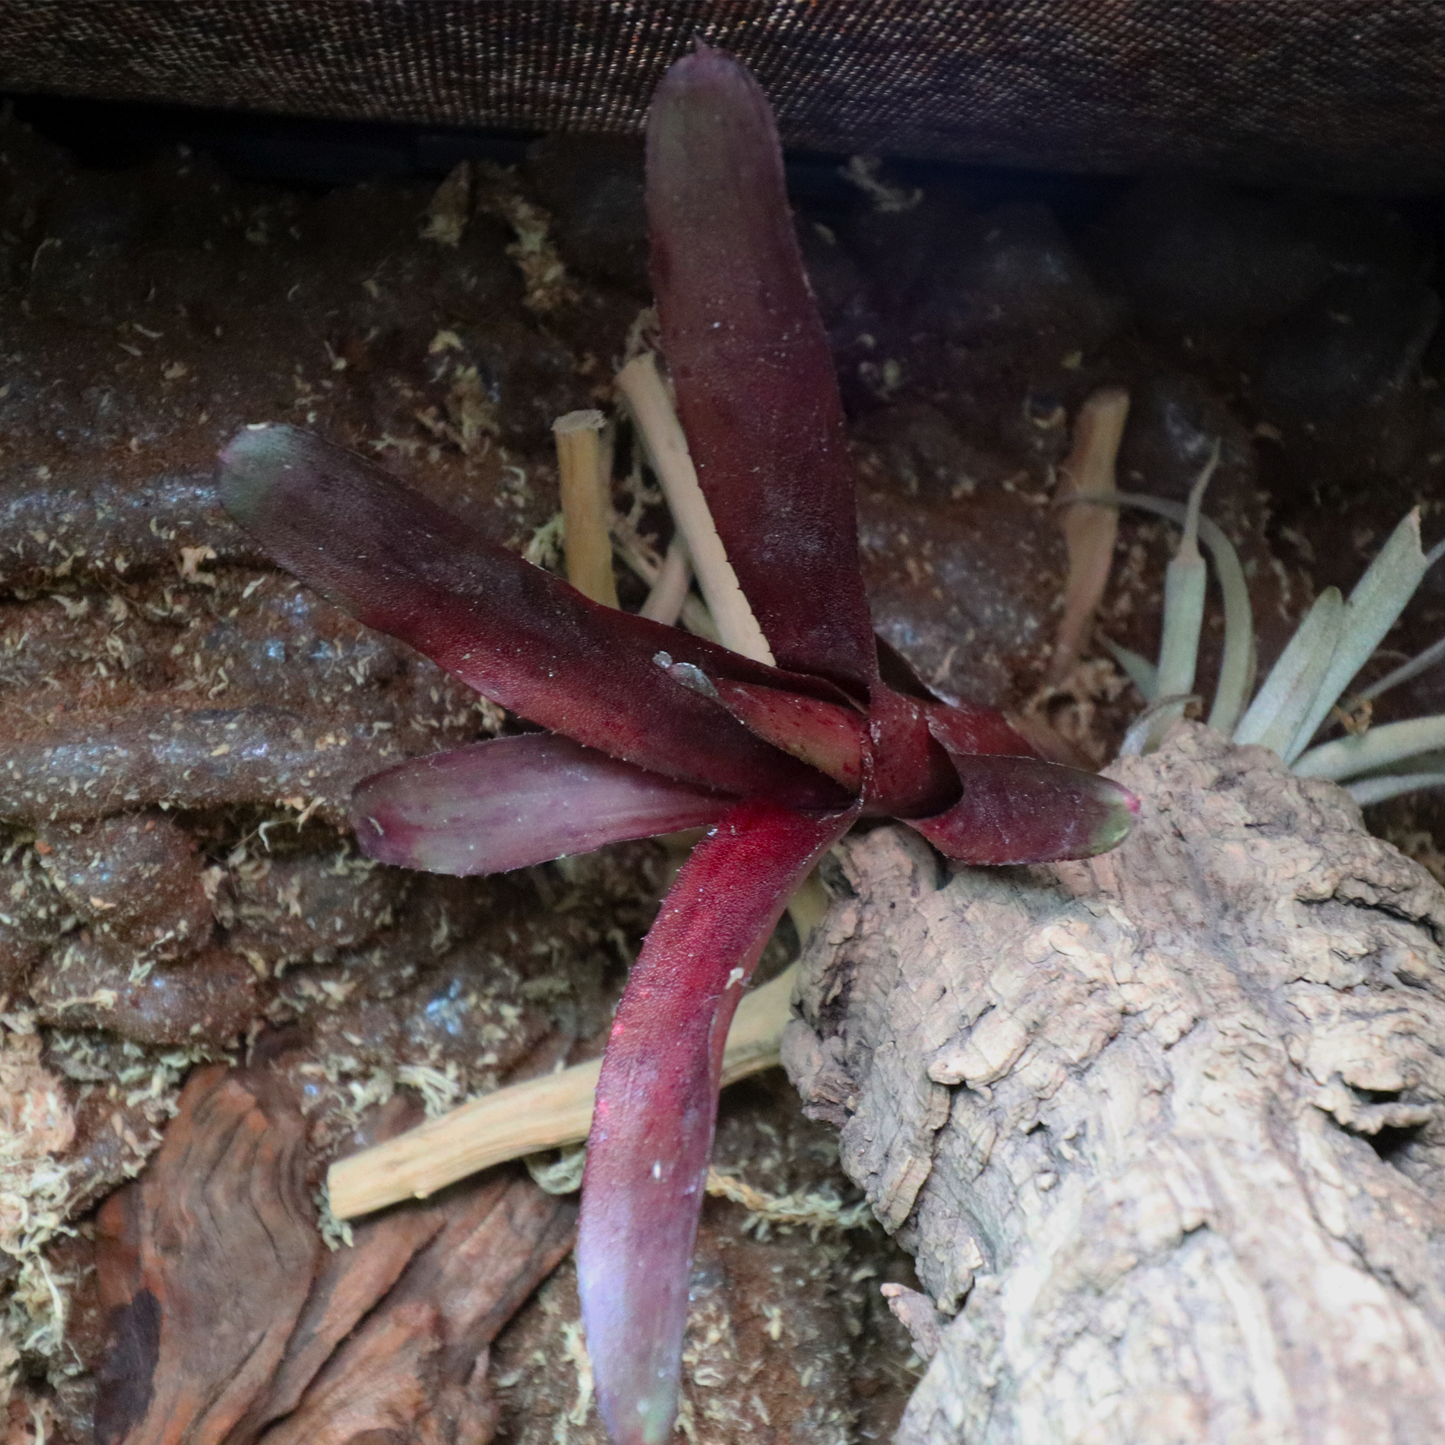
[
  {"x": 250, "y": 465},
  {"x": 1115, "y": 823}
]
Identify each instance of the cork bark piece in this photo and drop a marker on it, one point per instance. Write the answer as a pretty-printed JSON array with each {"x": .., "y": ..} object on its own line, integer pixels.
[{"x": 1164, "y": 1130}]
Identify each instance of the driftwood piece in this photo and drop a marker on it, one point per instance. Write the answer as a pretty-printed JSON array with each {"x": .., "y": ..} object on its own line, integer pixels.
[
  {"x": 204, "y": 1265},
  {"x": 348, "y": 1287},
  {"x": 417, "y": 1363},
  {"x": 1164, "y": 1129},
  {"x": 223, "y": 1329}
]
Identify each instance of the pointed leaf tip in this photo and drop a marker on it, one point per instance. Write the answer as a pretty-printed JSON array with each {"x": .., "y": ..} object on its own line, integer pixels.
[
  {"x": 1020, "y": 810},
  {"x": 751, "y": 368},
  {"x": 249, "y": 465},
  {"x": 512, "y": 802}
]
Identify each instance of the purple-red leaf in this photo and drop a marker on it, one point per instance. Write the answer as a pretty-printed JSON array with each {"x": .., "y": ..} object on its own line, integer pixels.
[
  {"x": 751, "y": 367},
  {"x": 910, "y": 774},
  {"x": 652, "y": 1129},
  {"x": 967, "y": 728},
  {"x": 513, "y": 802},
  {"x": 825, "y": 735},
  {"x": 1021, "y": 810},
  {"x": 517, "y": 634}
]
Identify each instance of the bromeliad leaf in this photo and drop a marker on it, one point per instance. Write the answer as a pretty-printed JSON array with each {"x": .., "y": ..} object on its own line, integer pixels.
[
  {"x": 652, "y": 1128},
  {"x": 1021, "y": 810},
  {"x": 517, "y": 634},
  {"x": 751, "y": 367},
  {"x": 513, "y": 802}
]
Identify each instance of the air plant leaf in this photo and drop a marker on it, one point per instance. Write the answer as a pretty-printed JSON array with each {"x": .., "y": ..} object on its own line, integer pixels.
[
  {"x": 656, "y": 1104},
  {"x": 1185, "y": 580},
  {"x": 751, "y": 367},
  {"x": 519, "y": 635},
  {"x": 1294, "y": 681},
  {"x": 513, "y": 802},
  {"x": 1236, "y": 669},
  {"x": 1381, "y": 747},
  {"x": 1386, "y": 786},
  {"x": 1373, "y": 608},
  {"x": 1142, "y": 673},
  {"x": 1432, "y": 656}
]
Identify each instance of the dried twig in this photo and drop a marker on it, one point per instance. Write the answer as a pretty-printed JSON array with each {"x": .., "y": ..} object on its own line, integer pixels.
[
  {"x": 1089, "y": 532},
  {"x": 647, "y": 398},
  {"x": 545, "y": 1113},
  {"x": 584, "y": 463},
  {"x": 669, "y": 592},
  {"x": 638, "y": 554}
]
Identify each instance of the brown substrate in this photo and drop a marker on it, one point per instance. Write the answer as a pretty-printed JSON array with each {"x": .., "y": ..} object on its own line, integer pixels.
[{"x": 180, "y": 725}]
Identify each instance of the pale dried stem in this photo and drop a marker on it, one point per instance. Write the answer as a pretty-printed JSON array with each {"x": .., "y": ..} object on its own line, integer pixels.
[
  {"x": 669, "y": 592},
  {"x": 642, "y": 387},
  {"x": 646, "y": 564},
  {"x": 1089, "y": 532},
  {"x": 546, "y": 1113},
  {"x": 584, "y": 462}
]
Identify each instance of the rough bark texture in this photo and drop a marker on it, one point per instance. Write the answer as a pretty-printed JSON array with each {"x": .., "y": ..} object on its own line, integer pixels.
[
  {"x": 1163, "y": 1129},
  {"x": 205, "y": 1265},
  {"x": 229, "y": 1325}
]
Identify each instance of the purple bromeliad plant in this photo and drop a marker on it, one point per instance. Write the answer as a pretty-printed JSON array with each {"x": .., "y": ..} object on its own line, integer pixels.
[{"x": 651, "y": 729}]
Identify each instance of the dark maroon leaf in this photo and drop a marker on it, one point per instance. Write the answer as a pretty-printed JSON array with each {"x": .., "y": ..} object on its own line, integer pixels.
[
  {"x": 967, "y": 728},
  {"x": 1021, "y": 810},
  {"x": 825, "y": 735},
  {"x": 910, "y": 774},
  {"x": 656, "y": 1107},
  {"x": 751, "y": 367},
  {"x": 513, "y": 802},
  {"x": 517, "y": 634}
]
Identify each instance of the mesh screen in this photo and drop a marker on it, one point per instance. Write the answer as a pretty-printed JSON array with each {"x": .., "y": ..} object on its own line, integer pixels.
[{"x": 1342, "y": 92}]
